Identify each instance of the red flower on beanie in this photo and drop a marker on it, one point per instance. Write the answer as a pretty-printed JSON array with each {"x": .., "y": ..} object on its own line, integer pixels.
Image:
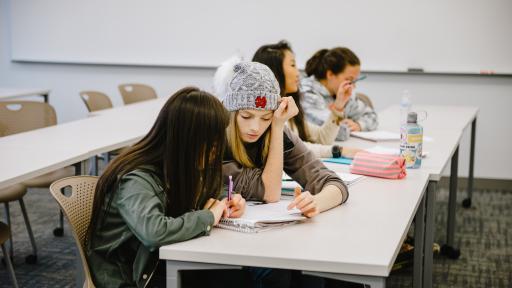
[{"x": 260, "y": 101}]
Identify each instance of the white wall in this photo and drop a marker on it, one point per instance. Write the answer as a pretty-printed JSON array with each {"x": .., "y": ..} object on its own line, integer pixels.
[{"x": 492, "y": 94}]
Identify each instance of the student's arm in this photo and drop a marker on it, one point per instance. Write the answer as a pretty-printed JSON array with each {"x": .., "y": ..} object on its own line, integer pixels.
[
  {"x": 325, "y": 134},
  {"x": 141, "y": 208},
  {"x": 319, "y": 150},
  {"x": 312, "y": 205},
  {"x": 362, "y": 114},
  {"x": 302, "y": 165},
  {"x": 273, "y": 171}
]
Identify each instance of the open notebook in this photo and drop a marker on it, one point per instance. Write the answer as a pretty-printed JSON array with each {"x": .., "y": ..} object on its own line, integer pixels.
[
  {"x": 261, "y": 217},
  {"x": 350, "y": 179},
  {"x": 377, "y": 135}
]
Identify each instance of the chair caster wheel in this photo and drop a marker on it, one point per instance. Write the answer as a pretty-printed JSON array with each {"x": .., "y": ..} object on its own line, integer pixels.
[
  {"x": 58, "y": 232},
  {"x": 31, "y": 259},
  {"x": 450, "y": 252},
  {"x": 466, "y": 203}
]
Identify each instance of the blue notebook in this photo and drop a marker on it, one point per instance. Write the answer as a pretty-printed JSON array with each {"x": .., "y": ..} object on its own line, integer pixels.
[{"x": 341, "y": 160}]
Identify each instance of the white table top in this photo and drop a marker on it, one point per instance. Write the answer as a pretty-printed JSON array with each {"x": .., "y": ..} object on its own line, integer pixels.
[
  {"x": 6, "y": 93},
  {"x": 361, "y": 237},
  {"x": 34, "y": 153},
  {"x": 438, "y": 117}
]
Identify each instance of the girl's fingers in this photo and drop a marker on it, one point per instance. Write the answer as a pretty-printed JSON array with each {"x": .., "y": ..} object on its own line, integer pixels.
[
  {"x": 309, "y": 207},
  {"x": 311, "y": 213},
  {"x": 236, "y": 213},
  {"x": 301, "y": 201},
  {"x": 234, "y": 200},
  {"x": 304, "y": 203},
  {"x": 295, "y": 201}
]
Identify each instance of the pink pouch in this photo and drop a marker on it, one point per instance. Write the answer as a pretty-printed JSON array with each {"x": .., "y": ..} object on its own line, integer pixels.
[{"x": 378, "y": 165}]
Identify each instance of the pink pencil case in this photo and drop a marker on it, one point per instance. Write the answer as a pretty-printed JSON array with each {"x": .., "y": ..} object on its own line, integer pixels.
[{"x": 378, "y": 165}]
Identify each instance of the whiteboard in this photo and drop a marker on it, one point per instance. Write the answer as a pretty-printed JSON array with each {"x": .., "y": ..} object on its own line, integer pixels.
[{"x": 450, "y": 36}]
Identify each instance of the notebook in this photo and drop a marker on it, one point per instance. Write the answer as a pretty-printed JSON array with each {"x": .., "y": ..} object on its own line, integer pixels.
[
  {"x": 350, "y": 179},
  {"x": 377, "y": 135},
  {"x": 260, "y": 217}
]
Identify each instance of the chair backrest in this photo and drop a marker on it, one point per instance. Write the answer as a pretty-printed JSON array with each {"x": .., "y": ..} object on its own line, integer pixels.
[
  {"x": 366, "y": 100},
  {"x": 78, "y": 210},
  {"x": 95, "y": 100},
  {"x": 132, "y": 93},
  {"x": 21, "y": 116}
]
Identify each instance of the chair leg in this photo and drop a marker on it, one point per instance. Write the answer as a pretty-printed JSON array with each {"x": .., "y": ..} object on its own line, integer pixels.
[
  {"x": 30, "y": 259},
  {"x": 8, "y": 220},
  {"x": 59, "y": 231},
  {"x": 9, "y": 267}
]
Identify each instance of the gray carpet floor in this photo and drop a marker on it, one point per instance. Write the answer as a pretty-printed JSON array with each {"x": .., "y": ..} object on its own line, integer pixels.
[{"x": 482, "y": 234}]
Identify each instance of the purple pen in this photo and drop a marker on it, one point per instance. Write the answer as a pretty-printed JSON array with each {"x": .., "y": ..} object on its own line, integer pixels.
[
  {"x": 230, "y": 188},
  {"x": 230, "y": 192}
]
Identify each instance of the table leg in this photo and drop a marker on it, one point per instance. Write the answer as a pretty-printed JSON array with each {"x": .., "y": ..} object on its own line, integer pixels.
[
  {"x": 419, "y": 241},
  {"x": 466, "y": 203},
  {"x": 429, "y": 234},
  {"x": 448, "y": 249}
]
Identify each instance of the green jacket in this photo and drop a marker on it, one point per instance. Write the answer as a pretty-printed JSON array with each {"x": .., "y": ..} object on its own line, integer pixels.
[{"x": 124, "y": 250}]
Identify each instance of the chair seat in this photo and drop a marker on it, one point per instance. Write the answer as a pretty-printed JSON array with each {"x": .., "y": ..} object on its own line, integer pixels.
[
  {"x": 4, "y": 233},
  {"x": 12, "y": 193},
  {"x": 45, "y": 180}
]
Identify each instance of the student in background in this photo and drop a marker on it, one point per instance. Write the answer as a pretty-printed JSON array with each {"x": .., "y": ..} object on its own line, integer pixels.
[
  {"x": 330, "y": 73},
  {"x": 260, "y": 147},
  {"x": 280, "y": 59},
  {"x": 153, "y": 194}
]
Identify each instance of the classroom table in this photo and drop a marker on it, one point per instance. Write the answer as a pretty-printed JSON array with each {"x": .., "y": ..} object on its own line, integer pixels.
[
  {"x": 76, "y": 141},
  {"x": 357, "y": 241},
  {"x": 444, "y": 125},
  {"x": 9, "y": 93}
]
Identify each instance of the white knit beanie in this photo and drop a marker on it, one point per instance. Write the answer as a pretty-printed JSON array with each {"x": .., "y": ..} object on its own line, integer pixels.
[{"x": 247, "y": 85}]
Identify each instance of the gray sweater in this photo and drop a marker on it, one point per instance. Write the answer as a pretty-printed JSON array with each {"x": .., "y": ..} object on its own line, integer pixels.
[
  {"x": 317, "y": 98},
  {"x": 299, "y": 162}
]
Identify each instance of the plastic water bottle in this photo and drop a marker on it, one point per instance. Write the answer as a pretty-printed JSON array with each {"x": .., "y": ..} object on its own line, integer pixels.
[
  {"x": 411, "y": 143},
  {"x": 405, "y": 107}
]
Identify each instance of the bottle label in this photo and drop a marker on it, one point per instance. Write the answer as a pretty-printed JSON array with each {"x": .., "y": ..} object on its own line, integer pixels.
[{"x": 411, "y": 147}]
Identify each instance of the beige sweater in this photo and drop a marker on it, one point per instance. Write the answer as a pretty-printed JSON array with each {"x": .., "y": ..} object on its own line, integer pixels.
[{"x": 321, "y": 137}]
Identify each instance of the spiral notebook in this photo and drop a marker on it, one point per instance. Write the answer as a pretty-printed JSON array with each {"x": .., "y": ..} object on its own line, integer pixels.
[{"x": 260, "y": 217}]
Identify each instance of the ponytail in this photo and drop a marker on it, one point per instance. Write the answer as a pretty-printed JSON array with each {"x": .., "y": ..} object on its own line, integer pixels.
[{"x": 314, "y": 66}]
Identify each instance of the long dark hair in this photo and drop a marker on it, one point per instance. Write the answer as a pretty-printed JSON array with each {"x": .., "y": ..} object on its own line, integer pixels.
[
  {"x": 272, "y": 55},
  {"x": 335, "y": 60},
  {"x": 189, "y": 133}
]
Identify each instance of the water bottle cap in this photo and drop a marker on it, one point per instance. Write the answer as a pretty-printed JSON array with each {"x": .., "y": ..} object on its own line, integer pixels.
[
  {"x": 406, "y": 100},
  {"x": 412, "y": 117}
]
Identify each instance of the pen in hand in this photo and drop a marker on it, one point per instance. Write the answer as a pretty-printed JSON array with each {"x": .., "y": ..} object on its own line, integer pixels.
[
  {"x": 230, "y": 192},
  {"x": 362, "y": 77},
  {"x": 297, "y": 191}
]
